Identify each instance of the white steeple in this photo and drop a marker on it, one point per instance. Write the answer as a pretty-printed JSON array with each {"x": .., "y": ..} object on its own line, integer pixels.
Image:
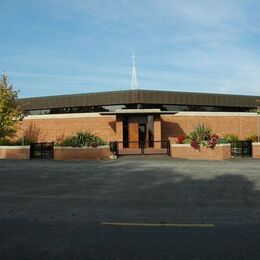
[{"x": 134, "y": 83}]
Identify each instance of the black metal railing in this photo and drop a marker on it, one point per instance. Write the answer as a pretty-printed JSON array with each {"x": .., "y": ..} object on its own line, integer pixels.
[
  {"x": 241, "y": 148},
  {"x": 140, "y": 148},
  {"x": 41, "y": 150}
]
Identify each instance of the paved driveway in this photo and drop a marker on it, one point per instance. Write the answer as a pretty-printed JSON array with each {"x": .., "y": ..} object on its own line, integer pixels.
[{"x": 107, "y": 209}]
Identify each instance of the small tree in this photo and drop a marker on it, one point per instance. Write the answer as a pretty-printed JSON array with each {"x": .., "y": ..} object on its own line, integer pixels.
[{"x": 10, "y": 112}]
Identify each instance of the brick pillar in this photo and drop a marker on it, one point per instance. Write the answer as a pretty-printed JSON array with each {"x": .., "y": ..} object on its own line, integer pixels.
[
  {"x": 119, "y": 131},
  {"x": 133, "y": 135},
  {"x": 157, "y": 131}
]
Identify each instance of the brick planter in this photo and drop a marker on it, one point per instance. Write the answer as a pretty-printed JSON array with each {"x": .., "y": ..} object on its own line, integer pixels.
[
  {"x": 185, "y": 151},
  {"x": 81, "y": 153},
  {"x": 256, "y": 150},
  {"x": 15, "y": 152}
]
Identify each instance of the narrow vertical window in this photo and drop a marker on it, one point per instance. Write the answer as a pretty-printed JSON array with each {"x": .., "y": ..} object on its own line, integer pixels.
[
  {"x": 150, "y": 131},
  {"x": 125, "y": 133}
]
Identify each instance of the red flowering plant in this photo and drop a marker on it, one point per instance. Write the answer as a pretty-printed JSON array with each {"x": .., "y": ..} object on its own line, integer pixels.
[
  {"x": 200, "y": 136},
  {"x": 181, "y": 138},
  {"x": 94, "y": 145},
  {"x": 213, "y": 141},
  {"x": 195, "y": 144}
]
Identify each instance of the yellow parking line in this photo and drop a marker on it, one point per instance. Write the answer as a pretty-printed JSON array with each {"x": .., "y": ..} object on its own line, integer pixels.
[{"x": 180, "y": 225}]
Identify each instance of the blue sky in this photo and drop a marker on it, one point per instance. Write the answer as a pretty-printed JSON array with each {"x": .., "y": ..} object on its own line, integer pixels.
[{"x": 54, "y": 47}]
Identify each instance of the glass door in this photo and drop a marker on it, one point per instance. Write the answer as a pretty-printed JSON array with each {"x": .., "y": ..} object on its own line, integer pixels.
[{"x": 142, "y": 135}]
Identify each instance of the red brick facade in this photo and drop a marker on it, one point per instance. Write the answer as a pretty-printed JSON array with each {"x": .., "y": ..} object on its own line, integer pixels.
[
  {"x": 56, "y": 128},
  {"x": 185, "y": 151},
  {"x": 256, "y": 150},
  {"x": 76, "y": 153},
  {"x": 15, "y": 152},
  {"x": 241, "y": 125}
]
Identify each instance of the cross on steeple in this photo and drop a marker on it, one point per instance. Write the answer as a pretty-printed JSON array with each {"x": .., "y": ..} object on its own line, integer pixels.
[{"x": 134, "y": 83}]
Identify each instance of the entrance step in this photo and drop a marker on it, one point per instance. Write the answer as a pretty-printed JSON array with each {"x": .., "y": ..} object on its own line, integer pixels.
[{"x": 145, "y": 157}]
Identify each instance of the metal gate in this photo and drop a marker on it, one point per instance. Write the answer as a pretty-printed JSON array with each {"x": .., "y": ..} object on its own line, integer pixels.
[
  {"x": 41, "y": 150},
  {"x": 140, "y": 148},
  {"x": 241, "y": 149}
]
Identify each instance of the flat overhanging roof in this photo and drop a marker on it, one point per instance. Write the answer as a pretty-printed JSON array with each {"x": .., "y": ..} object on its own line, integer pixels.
[
  {"x": 138, "y": 97},
  {"x": 138, "y": 112}
]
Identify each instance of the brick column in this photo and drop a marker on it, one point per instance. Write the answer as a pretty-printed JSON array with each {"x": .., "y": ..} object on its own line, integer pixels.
[
  {"x": 157, "y": 131},
  {"x": 119, "y": 131},
  {"x": 133, "y": 135},
  {"x": 256, "y": 150}
]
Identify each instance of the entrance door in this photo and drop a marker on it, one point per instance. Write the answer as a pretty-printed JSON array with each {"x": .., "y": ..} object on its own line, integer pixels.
[{"x": 142, "y": 135}]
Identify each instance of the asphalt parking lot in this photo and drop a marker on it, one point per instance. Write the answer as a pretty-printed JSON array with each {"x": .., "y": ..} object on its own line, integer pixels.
[{"x": 131, "y": 208}]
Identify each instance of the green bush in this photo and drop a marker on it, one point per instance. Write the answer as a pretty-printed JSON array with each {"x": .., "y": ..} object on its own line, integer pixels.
[
  {"x": 202, "y": 136},
  {"x": 5, "y": 141},
  {"x": 187, "y": 139},
  {"x": 223, "y": 141},
  {"x": 21, "y": 141},
  {"x": 201, "y": 133},
  {"x": 204, "y": 143},
  {"x": 230, "y": 138},
  {"x": 26, "y": 141},
  {"x": 83, "y": 139},
  {"x": 253, "y": 138}
]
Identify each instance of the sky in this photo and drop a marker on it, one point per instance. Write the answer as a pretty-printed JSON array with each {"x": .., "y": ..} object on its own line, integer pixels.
[{"x": 56, "y": 47}]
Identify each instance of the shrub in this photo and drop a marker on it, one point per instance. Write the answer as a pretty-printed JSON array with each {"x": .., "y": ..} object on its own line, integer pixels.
[
  {"x": 201, "y": 133},
  {"x": 253, "y": 138},
  {"x": 5, "y": 141},
  {"x": 200, "y": 136},
  {"x": 83, "y": 139},
  {"x": 188, "y": 139},
  {"x": 223, "y": 141},
  {"x": 21, "y": 141},
  {"x": 26, "y": 141},
  {"x": 204, "y": 143},
  {"x": 231, "y": 138}
]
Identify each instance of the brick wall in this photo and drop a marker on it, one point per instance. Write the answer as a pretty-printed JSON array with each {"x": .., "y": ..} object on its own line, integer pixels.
[
  {"x": 75, "y": 153},
  {"x": 15, "y": 152},
  {"x": 56, "y": 129},
  {"x": 240, "y": 125},
  {"x": 185, "y": 151},
  {"x": 256, "y": 150}
]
